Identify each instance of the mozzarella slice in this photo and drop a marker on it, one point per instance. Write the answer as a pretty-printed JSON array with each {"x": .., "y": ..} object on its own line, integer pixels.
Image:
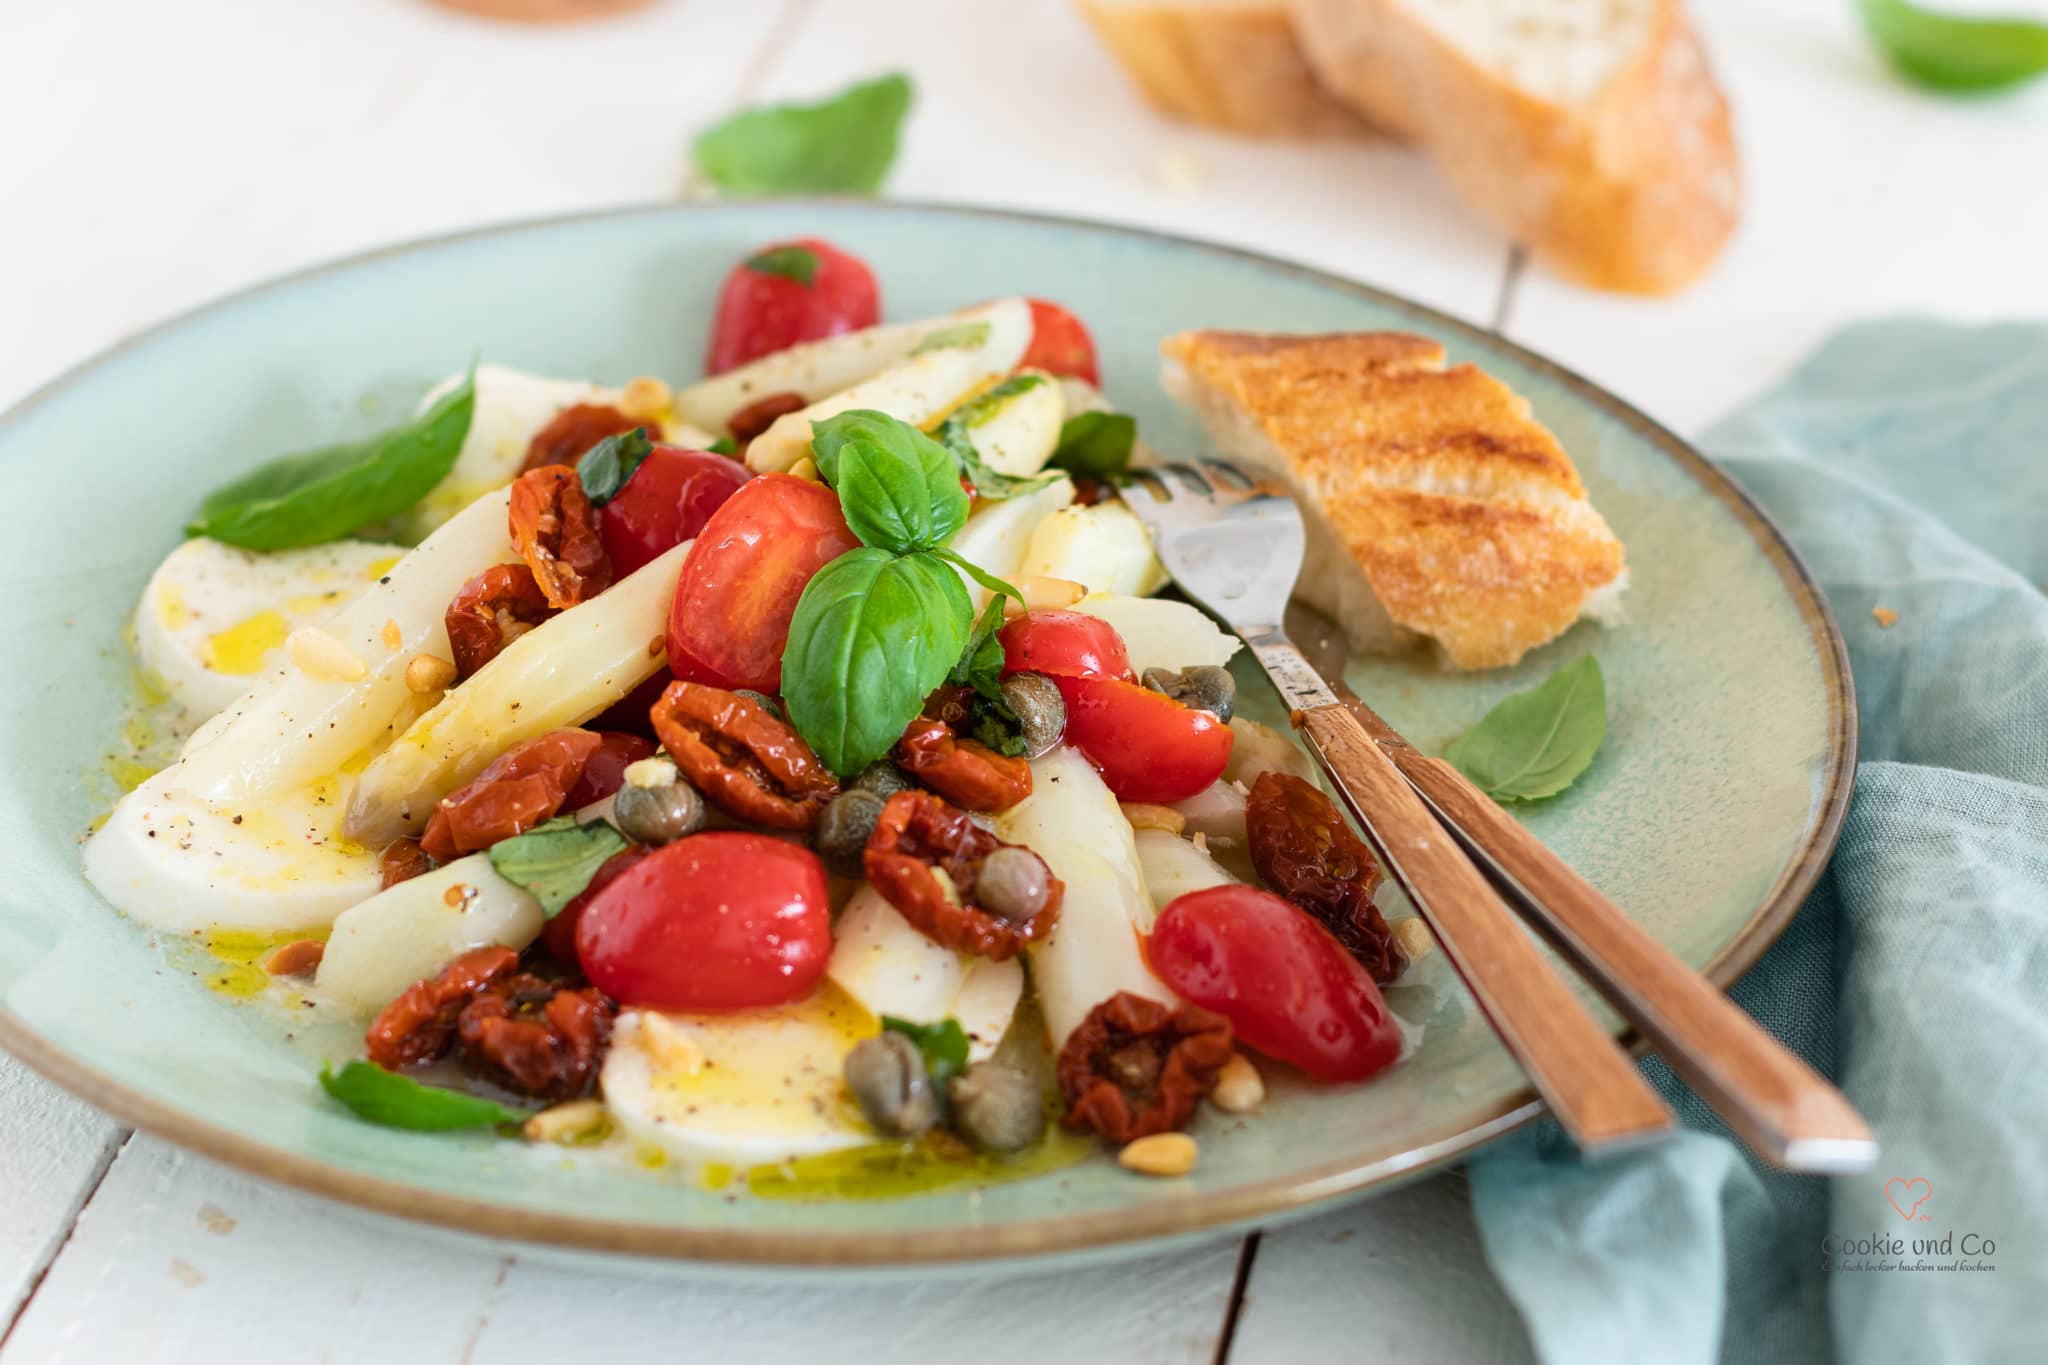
[
  {"x": 562, "y": 672},
  {"x": 745, "y": 1089},
  {"x": 1103, "y": 547},
  {"x": 1073, "y": 822},
  {"x": 1018, "y": 434},
  {"x": 1161, "y": 633},
  {"x": 214, "y": 617},
  {"x": 997, "y": 533},
  {"x": 414, "y": 929},
  {"x": 1175, "y": 866},
  {"x": 987, "y": 1003},
  {"x": 920, "y": 389}
]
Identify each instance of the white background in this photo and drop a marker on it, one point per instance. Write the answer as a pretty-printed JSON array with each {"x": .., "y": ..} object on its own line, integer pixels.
[{"x": 154, "y": 153}]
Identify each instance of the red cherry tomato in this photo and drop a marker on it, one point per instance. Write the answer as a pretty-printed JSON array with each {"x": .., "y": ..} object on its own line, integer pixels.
[
  {"x": 1064, "y": 643},
  {"x": 1147, "y": 746},
  {"x": 1060, "y": 344},
  {"x": 560, "y": 932},
  {"x": 1287, "y": 987},
  {"x": 668, "y": 500},
  {"x": 742, "y": 578},
  {"x": 722, "y": 921},
  {"x": 604, "y": 772},
  {"x": 789, "y": 292}
]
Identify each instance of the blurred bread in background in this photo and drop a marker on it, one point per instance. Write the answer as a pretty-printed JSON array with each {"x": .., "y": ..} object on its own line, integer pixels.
[{"x": 1592, "y": 131}]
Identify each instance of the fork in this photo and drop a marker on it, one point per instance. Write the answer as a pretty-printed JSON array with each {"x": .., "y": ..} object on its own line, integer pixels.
[{"x": 1235, "y": 545}]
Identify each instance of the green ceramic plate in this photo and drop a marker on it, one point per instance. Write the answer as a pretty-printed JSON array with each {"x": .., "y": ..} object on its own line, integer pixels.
[{"x": 1709, "y": 813}]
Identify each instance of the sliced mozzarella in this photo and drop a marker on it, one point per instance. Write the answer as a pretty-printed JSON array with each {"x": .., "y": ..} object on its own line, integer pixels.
[
  {"x": 1073, "y": 822},
  {"x": 744, "y": 1089},
  {"x": 997, "y": 533},
  {"x": 987, "y": 1003},
  {"x": 1017, "y": 434},
  {"x": 414, "y": 929},
  {"x": 1160, "y": 633},
  {"x": 920, "y": 389},
  {"x": 562, "y": 672},
  {"x": 890, "y": 967},
  {"x": 1175, "y": 866},
  {"x": 214, "y": 617},
  {"x": 1102, "y": 547},
  {"x": 1216, "y": 813}
]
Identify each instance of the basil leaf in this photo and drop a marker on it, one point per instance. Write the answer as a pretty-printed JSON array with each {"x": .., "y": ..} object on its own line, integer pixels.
[
  {"x": 1097, "y": 443},
  {"x": 724, "y": 445},
  {"x": 961, "y": 335},
  {"x": 873, "y": 634},
  {"x": 606, "y": 466},
  {"x": 955, "y": 434},
  {"x": 842, "y": 145},
  {"x": 900, "y": 489},
  {"x": 1535, "y": 743},
  {"x": 321, "y": 495},
  {"x": 942, "y": 1045},
  {"x": 401, "y": 1102},
  {"x": 555, "y": 861},
  {"x": 979, "y": 574},
  {"x": 798, "y": 263},
  {"x": 832, "y": 435},
  {"x": 981, "y": 663},
  {"x": 1957, "y": 52}
]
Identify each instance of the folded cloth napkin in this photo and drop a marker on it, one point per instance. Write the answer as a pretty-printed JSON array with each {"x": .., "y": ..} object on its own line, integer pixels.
[{"x": 1908, "y": 461}]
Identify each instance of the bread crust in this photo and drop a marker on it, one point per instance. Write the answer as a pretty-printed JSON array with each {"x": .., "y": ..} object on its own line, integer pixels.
[{"x": 1469, "y": 522}]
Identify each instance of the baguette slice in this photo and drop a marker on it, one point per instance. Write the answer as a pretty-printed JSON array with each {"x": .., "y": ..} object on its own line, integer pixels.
[
  {"x": 1591, "y": 130},
  {"x": 1438, "y": 508},
  {"x": 1228, "y": 64}
]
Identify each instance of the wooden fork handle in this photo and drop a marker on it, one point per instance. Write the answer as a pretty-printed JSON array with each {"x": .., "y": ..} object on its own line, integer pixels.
[
  {"x": 1590, "y": 1084},
  {"x": 1784, "y": 1110}
]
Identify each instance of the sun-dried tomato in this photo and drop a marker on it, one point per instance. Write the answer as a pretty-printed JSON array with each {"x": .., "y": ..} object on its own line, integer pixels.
[
  {"x": 1136, "y": 1067},
  {"x": 744, "y": 759},
  {"x": 966, "y": 772},
  {"x": 1305, "y": 852},
  {"x": 519, "y": 789},
  {"x": 420, "y": 1024},
  {"x": 919, "y": 836},
  {"x": 491, "y": 611},
  {"x": 761, "y": 414},
  {"x": 401, "y": 861},
  {"x": 536, "y": 1037},
  {"x": 554, "y": 528},
  {"x": 575, "y": 430}
]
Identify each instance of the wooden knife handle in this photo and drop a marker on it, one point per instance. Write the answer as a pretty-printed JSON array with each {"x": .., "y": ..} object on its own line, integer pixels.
[{"x": 1589, "y": 1082}]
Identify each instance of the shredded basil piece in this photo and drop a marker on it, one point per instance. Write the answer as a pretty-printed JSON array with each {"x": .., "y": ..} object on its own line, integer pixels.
[
  {"x": 555, "y": 861},
  {"x": 956, "y": 435},
  {"x": 961, "y": 335},
  {"x": 1536, "y": 743},
  {"x": 606, "y": 467},
  {"x": 401, "y": 1102},
  {"x": 942, "y": 1045},
  {"x": 841, "y": 145},
  {"x": 798, "y": 263}
]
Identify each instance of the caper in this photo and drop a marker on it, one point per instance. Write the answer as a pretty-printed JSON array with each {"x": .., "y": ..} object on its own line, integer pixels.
[
  {"x": 997, "y": 1107},
  {"x": 1204, "y": 687},
  {"x": 658, "y": 815},
  {"x": 887, "y": 1077},
  {"x": 884, "y": 779},
  {"x": 1036, "y": 700},
  {"x": 760, "y": 699},
  {"x": 1013, "y": 883},
  {"x": 843, "y": 830}
]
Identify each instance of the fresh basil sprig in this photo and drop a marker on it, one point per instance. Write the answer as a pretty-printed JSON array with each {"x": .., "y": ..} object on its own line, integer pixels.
[
  {"x": 960, "y": 335},
  {"x": 1095, "y": 443},
  {"x": 942, "y": 1045},
  {"x": 1957, "y": 51},
  {"x": 955, "y": 434},
  {"x": 554, "y": 861},
  {"x": 792, "y": 262},
  {"x": 1536, "y": 743},
  {"x": 900, "y": 490},
  {"x": 322, "y": 495},
  {"x": 995, "y": 723},
  {"x": 401, "y": 1102},
  {"x": 605, "y": 467},
  {"x": 842, "y": 145}
]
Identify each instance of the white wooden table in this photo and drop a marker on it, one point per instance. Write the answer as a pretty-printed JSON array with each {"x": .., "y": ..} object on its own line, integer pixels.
[{"x": 157, "y": 153}]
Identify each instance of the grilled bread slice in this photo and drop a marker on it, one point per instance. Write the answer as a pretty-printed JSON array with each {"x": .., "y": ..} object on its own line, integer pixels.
[{"x": 1438, "y": 508}]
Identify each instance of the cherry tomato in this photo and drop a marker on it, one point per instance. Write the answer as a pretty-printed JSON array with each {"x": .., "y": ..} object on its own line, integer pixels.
[
  {"x": 789, "y": 292},
  {"x": 1147, "y": 746},
  {"x": 668, "y": 500},
  {"x": 1287, "y": 988},
  {"x": 559, "y": 934},
  {"x": 604, "y": 772},
  {"x": 1060, "y": 344},
  {"x": 742, "y": 578},
  {"x": 721, "y": 921},
  {"x": 1064, "y": 643}
]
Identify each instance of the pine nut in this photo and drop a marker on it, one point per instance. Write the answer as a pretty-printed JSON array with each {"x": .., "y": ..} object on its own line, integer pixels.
[
  {"x": 427, "y": 674},
  {"x": 1042, "y": 592},
  {"x": 807, "y": 470},
  {"x": 646, "y": 399},
  {"x": 1145, "y": 815},
  {"x": 1414, "y": 937},
  {"x": 564, "y": 1121},
  {"x": 320, "y": 655},
  {"x": 650, "y": 772},
  {"x": 1162, "y": 1154},
  {"x": 1238, "y": 1087},
  {"x": 297, "y": 958}
]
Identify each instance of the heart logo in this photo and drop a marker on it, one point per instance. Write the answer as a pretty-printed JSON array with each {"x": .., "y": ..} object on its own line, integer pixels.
[{"x": 1896, "y": 1191}]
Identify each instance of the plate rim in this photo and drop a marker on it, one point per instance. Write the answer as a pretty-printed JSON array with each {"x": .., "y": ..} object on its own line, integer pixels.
[{"x": 1198, "y": 1215}]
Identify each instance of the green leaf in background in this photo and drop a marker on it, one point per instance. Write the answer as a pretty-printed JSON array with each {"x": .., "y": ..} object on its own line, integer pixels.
[
  {"x": 961, "y": 336},
  {"x": 1095, "y": 443},
  {"x": 843, "y": 145},
  {"x": 724, "y": 445},
  {"x": 798, "y": 263},
  {"x": 902, "y": 493},
  {"x": 942, "y": 1045},
  {"x": 401, "y": 1102},
  {"x": 554, "y": 861},
  {"x": 318, "y": 496},
  {"x": 1535, "y": 743},
  {"x": 1954, "y": 51},
  {"x": 953, "y": 433},
  {"x": 605, "y": 467}
]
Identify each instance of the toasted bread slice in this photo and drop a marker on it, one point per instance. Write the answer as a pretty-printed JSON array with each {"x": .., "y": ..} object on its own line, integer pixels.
[{"x": 1438, "y": 508}]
